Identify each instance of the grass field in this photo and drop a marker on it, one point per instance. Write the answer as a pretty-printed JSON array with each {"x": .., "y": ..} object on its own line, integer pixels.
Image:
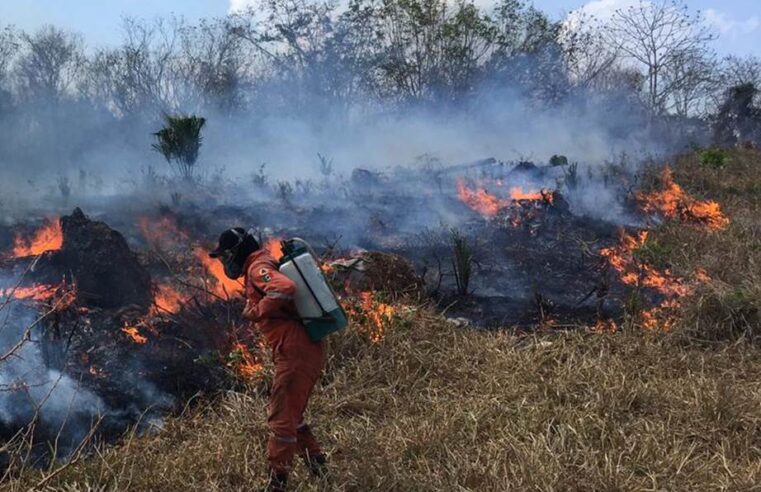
[{"x": 431, "y": 407}]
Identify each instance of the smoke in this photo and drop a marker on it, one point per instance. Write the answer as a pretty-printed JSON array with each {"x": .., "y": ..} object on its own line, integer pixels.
[
  {"x": 55, "y": 152},
  {"x": 39, "y": 392},
  {"x": 505, "y": 129},
  {"x": 32, "y": 391}
]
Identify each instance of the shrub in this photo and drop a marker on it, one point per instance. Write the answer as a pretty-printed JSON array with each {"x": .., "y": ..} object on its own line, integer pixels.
[
  {"x": 714, "y": 157},
  {"x": 558, "y": 160},
  {"x": 180, "y": 142}
]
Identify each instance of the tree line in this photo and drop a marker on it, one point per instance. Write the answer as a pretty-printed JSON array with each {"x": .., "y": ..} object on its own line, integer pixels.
[{"x": 302, "y": 57}]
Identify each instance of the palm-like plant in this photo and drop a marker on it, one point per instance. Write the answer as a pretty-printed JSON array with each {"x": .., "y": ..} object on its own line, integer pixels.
[{"x": 180, "y": 142}]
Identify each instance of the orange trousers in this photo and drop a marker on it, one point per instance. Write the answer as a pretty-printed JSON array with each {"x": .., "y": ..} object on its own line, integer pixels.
[{"x": 298, "y": 363}]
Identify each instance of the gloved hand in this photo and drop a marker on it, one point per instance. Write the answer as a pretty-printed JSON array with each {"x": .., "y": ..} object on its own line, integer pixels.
[{"x": 251, "y": 311}]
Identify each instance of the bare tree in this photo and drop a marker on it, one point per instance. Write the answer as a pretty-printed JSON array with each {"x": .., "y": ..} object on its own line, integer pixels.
[
  {"x": 9, "y": 45},
  {"x": 213, "y": 64},
  {"x": 738, "y": 71},
  {"x": 432, "y": 49},
  {"x": 689, "y": 80},
  {"x": 589, "y": 59},
  {"x": 50, "y": 64},
  {"x": 660, "y": 36},
  {"x": 138, "y": 74},
  {"x": 522, "y": 29}
]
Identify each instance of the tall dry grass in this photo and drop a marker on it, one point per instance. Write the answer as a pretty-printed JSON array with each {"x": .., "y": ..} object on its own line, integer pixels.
[
  {"x": 729, "y": 307},
  {"x": 435, "y": 408},
  {"x": 431, "y": 407}
]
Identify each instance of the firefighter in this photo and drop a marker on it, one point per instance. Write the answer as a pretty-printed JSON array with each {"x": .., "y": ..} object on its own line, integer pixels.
[{"x": 297, "y": 360}]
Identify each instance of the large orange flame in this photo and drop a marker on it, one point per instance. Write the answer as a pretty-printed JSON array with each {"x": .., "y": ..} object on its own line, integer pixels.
[
  {"x": 274, "y": 247},
  {"x": 517, "y": 193},
  {"x": 480, "y": 200},
  {"x": 222, "y": 286},
  {"x": 48, "y": 238},
  {"x": 633, "y": 272},
  {"x": 672, "y": 202},
  {"x": 36, "y": 293},
  {"x": 166, "y": 299},
  {"x": 161, "y": 232},
  {"x": 59, "y": 297},
  {"x": 489, "y": 205}
]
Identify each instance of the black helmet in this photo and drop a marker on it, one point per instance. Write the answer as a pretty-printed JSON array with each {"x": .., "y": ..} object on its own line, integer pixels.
[{"x": 233, "y": 248}]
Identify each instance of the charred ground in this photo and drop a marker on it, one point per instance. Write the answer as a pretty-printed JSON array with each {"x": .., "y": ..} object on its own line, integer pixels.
[{"x": 626, "y": 408}]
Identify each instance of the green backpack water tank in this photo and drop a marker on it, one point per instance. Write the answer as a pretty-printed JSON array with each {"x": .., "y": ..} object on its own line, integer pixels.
[{"x": 316, "y": 302}]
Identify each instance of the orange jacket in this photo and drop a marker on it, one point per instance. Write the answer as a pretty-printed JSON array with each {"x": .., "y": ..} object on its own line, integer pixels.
[
  {"x": 298, "y": 361},
  {"x": 270, "y": 296}
]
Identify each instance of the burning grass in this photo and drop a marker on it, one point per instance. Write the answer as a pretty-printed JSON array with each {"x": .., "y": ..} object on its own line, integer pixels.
[
  {"x": 409, "y": 402},
  {"x": 671, "y": 201},
  {"x": 489, "y": 204},
  {"x": 218, "y": 283},
  {"x": 729, "y": 305},
  {"x": 49, "y": 237}
]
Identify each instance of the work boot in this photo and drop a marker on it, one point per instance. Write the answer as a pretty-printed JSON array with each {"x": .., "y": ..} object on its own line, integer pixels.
[
  {"x": 310, "y": 451},
  {"x": 317, "y": 464},
  {"x": 276, "y": 482}
]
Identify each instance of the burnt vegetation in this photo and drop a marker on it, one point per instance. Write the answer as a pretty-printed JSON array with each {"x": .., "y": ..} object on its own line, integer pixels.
[{"x": 549, "y": 322}]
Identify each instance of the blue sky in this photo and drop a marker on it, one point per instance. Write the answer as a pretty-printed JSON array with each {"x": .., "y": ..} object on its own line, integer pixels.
[{"x": 738, "y": 22}]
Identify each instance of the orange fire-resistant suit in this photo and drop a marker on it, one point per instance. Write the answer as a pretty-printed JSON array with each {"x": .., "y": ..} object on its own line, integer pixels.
[{"x": 298, "y": 360}]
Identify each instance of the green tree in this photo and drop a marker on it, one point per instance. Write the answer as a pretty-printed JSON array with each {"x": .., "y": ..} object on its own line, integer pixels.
[{"x": 180, "y": 142}]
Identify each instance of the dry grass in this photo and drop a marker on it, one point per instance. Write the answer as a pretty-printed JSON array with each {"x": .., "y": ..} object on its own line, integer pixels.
[
  {"x": 434, "y": 408},
  {"x": 730, "y": 306},
  {"x": 431, "y": 407}
]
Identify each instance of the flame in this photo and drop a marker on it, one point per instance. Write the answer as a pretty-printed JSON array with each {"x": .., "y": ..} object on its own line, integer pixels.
[
  {"x": 60, "y": 297},
  {"x": 245, "y": 364},
  {"x": 632, "y": 272},
  {"x": 223, "y": 285},
  {"x": 161, "y": 231},
  {"x": 489, "y": 205},
  {"x": 134, "y": 334},
  {"x": 701, "y": 276},
  {"x": 166, "y": 299},
  {"x": 97, "y": 372},
  {"x": 621, "y": 258},
  {"x": 480, "y": 200},
  {"x": 672, "y": 202},
  {"x": 274, "y": 247},
  {"x": 606, "y": 326},
  {"x": 517, "y": 193},
  {"x": 373, "y": 314},
  {"x": 48, "y": 238},
  {"x": 36, "y": 293},
  {"x": 663, "y": 316}
]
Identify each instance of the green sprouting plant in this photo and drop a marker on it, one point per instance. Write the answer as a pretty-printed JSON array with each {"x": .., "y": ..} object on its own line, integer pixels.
[
  {"x": 714, "y": 157},
  {"x": 180, "y": 142},
  {"x": 654, "y": 253}
]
